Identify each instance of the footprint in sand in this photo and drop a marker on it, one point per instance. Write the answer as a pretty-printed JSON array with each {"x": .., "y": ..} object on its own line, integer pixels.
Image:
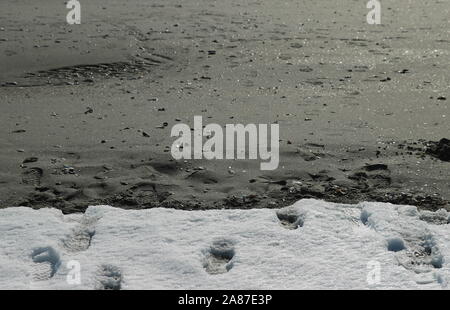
[
  {"x": 32, "y": 176},
  {"x": 46, "y": 263},
  {"x": 373, "y": 176},
  {"x": 218, "y": 257}
]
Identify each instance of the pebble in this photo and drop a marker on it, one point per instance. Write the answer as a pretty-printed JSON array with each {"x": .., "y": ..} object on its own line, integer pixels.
[{"x": 30, "y": 160}]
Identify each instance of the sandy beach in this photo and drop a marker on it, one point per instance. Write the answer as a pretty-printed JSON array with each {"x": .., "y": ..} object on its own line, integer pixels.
[{"x": 87, "y": 110}]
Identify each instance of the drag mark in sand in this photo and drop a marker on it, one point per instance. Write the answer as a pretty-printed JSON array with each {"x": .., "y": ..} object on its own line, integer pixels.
[{"x": 90, "y": 73}]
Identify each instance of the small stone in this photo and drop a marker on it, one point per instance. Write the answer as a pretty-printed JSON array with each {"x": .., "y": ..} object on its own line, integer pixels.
[
  {"x": 30, "y": 160},
  {"x": 296, "y": 45},
  {"x": 68, "y": 170}
]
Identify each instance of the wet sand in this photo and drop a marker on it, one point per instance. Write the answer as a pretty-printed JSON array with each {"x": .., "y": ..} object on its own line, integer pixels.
[{"x": 86, "y": 110}]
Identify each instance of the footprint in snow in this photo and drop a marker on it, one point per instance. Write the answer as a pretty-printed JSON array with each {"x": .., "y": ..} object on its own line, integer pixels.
[
  {"x": 108, "y": 277},
  {"x": 291, "y": 218},
  {"x": 46, "y": 263},
  {"x": 81, "y": 237},
  {"x": 218, "y": 257}
]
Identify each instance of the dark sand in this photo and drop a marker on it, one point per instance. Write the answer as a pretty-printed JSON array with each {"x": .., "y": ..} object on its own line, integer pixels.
[{"x": 356, "y": 103}]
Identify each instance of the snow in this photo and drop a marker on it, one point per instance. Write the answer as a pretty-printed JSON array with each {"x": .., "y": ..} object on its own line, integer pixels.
[{"x": 310, "y": 245}]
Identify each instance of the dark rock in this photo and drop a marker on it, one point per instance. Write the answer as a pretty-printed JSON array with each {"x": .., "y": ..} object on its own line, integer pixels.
[
  {"x": 440, "y": 149},
  {"x": 376, "y": 167},
  {"x": 30, "y": 160}
]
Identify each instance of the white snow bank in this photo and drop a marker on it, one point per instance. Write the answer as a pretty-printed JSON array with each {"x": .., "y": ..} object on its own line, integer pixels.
[{"x": 336, "y": 246}]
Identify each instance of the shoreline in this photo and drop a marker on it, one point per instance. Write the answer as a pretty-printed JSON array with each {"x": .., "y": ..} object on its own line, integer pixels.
[{"x": 89, "y": 107}]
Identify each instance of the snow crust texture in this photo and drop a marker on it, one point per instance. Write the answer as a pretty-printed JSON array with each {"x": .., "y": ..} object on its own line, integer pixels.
[{"x": 310, "y": 245}]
